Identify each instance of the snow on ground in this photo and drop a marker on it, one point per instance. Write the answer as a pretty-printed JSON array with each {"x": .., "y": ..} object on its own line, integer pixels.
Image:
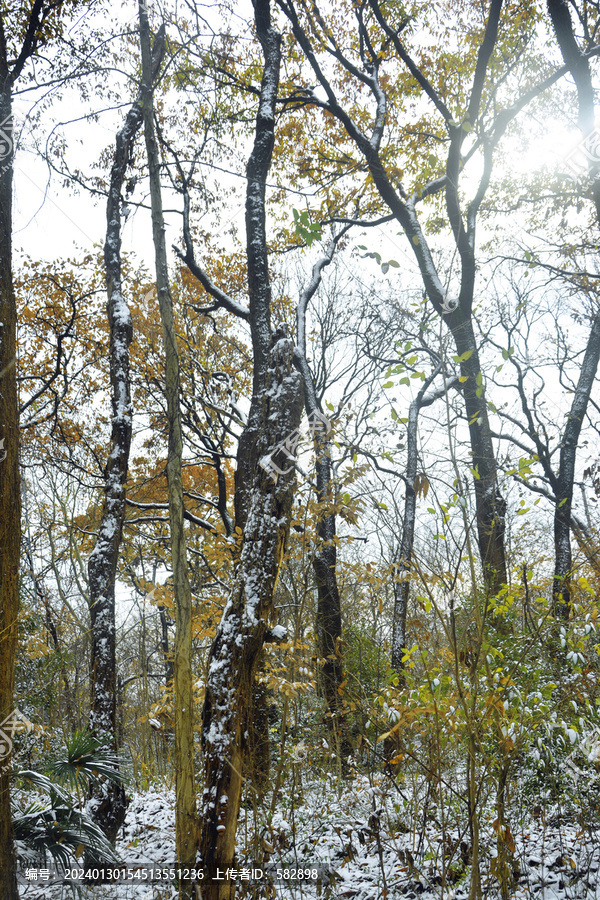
[{"x": 355, "y": 838}]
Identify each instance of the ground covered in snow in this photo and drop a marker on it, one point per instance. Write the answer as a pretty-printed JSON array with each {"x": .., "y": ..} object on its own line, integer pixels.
[{"x": 348, "y": 839}]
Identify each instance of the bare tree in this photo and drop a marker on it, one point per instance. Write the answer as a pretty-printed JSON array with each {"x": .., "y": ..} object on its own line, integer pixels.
[{"x": 379, "y": 40}]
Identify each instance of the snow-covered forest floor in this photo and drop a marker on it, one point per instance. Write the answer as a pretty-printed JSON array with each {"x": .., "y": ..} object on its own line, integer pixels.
[{"x": 353, "y": 833}]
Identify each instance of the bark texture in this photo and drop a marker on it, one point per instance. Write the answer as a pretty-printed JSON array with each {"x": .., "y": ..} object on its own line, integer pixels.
[
  {"x": 110, "y": 802},
  {"x": 237, "y": 646},
  {"x": 32, "y": 34},
  {"x": 10, "y": 495},
  {"x": 262, "y": 509},
  {"x": 185, "y": 810}
]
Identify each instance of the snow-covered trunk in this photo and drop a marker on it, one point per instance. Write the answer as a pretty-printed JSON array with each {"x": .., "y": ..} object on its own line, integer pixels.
[
  {"x": 240, "y": 636},
  {"x": 110, "y": 805},
  {"x": 10, "y": 495},
  {"x": 185, "y": 791},
  {"x": 561, "y": 588},
  {"x": 262, "y": 506}
]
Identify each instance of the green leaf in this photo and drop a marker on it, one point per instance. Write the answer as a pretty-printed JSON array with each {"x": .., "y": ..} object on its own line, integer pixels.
[{"x": 388, "y": 384}]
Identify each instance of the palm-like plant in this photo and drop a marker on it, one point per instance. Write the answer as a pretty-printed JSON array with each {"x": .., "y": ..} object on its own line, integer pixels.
[{"x": 56, "y": 824}]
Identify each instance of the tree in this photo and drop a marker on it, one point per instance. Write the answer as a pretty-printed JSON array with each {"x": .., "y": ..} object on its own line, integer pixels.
[
  {"x": 22, "y": 34},
  {"x": 329, "y": 613},
  {"x": 110, "y": 803},
  {"x": 262, "y": 505},
  {"x": 182, "y": 674},
  {"x": 579, "y": 66},
  {"x": 381, "y": 66}
]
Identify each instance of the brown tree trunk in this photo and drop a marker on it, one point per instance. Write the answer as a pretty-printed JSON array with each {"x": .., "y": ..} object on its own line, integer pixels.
[
  {"x": 185, "y": 791},
  {"x": 10, "y": 494}
]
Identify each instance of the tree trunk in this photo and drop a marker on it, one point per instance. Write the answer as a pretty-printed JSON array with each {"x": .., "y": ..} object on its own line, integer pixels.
[
  {"x": 329, "y": 612},
  {"x": 402, "y": 567},
  {"x": 110, "y": 803},
  {"x": 262, "y": 507},
  {"x": 489, "y": 503},
  {"x": 10, "y": 494},
  {"x": 561, "y": 589},
  {"x": 185, "y": 810},
  {"x": 237, "y": 646},
  {"x": 581, "y": 72}
]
